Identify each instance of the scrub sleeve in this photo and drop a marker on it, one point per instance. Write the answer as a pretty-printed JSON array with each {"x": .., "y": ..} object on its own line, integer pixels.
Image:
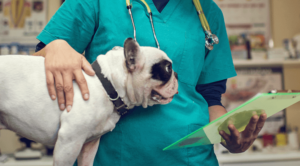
[
  {"x": 218, "y": 62},
  {"x": 96, "y": 26},
  {"x": 74, "y": 22}
]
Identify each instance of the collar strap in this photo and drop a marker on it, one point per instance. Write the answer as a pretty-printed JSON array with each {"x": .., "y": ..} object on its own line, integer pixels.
[{"x": 113, "y": 95}]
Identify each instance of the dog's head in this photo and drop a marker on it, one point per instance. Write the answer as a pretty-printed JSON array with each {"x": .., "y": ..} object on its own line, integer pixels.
[{"x": 150, "y": 74}]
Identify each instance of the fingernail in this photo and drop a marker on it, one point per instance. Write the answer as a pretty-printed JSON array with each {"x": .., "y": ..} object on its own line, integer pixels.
[
  {"x": 53, "y": 97},
  {"x": 86, "y": 96},
  {"x": 69, "y": 108},
  {"x": 62, "y": 106}
]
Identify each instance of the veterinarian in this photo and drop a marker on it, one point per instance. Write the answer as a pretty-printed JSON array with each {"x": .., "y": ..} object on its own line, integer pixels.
[{"x": 96, "y": 26}]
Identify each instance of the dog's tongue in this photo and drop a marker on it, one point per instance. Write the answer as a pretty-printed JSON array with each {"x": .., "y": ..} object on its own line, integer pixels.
[{"x": 168, "y": 90}]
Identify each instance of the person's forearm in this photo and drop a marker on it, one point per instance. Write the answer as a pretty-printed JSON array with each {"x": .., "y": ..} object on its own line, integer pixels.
[{"x": 215, "y": 112}]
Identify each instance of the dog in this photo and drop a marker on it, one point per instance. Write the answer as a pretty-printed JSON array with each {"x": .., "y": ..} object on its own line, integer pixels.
[{"x": 142, "y": 76}]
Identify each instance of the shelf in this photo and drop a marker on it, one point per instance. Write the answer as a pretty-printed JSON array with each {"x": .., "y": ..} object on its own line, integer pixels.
[
  {"x": 265, "y": 63},
  {"x": 258, "y": 157}
]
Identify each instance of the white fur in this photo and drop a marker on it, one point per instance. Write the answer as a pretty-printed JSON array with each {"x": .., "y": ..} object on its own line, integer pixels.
[{"x": 26, "y": 108}]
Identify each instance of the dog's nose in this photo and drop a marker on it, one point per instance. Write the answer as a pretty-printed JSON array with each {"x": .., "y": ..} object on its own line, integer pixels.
[{"x": 176, "y": 75}]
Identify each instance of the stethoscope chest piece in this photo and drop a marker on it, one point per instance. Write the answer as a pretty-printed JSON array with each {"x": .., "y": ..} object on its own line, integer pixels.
[{"x": 210, "y": 40}]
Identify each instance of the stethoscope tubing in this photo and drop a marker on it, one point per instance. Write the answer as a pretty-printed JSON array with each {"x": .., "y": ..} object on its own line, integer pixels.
[{"x": 210, "y": 39}]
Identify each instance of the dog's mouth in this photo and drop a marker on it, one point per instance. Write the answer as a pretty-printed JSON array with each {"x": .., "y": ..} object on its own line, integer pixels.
[
  {"x": 155, "y": 96},
  {"x": 166, "y": 93}
]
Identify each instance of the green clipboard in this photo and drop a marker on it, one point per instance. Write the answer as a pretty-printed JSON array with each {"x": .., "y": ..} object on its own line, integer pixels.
[{"x": 271, "y": 103}]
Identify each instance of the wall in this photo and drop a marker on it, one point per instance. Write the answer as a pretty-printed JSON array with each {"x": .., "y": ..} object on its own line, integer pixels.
[
  {"x": 53, "y": 5},
  {"x": 285, "y": 19},
  {"x": 292, "y": 81}
]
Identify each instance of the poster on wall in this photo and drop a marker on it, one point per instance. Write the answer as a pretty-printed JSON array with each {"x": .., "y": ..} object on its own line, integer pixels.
[
  {"x": 22, "y": 20},
  {"x": 248, "y": 83},
  {"x": 247, "y": 21}
]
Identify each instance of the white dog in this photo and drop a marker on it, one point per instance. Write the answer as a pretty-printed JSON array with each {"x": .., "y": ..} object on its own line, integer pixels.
[{"x": 140, "y": 75}]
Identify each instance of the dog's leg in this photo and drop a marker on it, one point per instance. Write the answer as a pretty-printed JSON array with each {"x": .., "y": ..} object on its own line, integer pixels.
[
  {"x": 88, "y": 153},
  {"x": 67, "y": 147},
  {"x": 89, "y": 149}
]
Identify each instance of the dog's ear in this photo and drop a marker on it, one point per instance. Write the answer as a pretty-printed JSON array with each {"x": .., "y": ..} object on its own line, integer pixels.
[{"x": 132, "y": 54}]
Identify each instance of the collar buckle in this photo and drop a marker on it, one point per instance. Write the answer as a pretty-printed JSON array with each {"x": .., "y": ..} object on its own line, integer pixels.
[
  {"x": 120, "y": 106},
  {"x": 115, "y": 98}
]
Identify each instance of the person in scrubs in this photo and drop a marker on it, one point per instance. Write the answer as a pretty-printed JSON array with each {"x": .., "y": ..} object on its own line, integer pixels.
[{"x": 96, "y": 26}]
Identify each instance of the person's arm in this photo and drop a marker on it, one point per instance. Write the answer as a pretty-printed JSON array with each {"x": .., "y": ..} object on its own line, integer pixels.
[
  {"x": 66, "y": 36},
  {"x": 215, "y": 112},
  {"x": 238, "y": 142},
  {"x": 212, "y": 92},
  {"x": 218, "y": 65},
  {"x": 63, "y": 64}
]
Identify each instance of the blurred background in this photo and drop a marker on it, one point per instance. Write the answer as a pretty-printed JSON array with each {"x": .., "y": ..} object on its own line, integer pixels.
[{"x": 264, "y": 38}]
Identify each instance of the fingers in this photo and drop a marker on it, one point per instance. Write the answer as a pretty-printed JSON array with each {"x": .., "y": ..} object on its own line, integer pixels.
[
  {"x": 81, "y": 81},
  {"x": 234, "y": 134},
  {"x": 237, "y": 143},
  {"x": 68, "y": 89},
  {"x": 225, "y": 136},
  {"x": 87, "y": 67},
  {"x": 248, "y": 132},
  {"x": 62, "y": 64},
  {"x": 50, "y": 85},
  {"x": 60, "y": 91},
  {"x": 260, "y": 124}
]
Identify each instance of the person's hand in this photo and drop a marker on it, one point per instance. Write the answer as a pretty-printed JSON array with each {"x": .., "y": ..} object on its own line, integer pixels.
[
  {"x": 63, "y": 64},
  {"x": 238, "y": 142}
]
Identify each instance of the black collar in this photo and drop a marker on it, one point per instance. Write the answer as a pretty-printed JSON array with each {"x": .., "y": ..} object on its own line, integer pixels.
[{"x": 113, "y": 95}]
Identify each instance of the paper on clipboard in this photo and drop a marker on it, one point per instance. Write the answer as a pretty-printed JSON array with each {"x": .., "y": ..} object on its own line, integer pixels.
[{"x": 271, "y": 103}]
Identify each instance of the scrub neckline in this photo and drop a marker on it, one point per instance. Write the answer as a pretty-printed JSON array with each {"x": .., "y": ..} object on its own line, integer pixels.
[{"x": 165, "y": 14}]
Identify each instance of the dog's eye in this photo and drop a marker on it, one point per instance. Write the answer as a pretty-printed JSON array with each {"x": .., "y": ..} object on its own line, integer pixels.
[{"x": 168, "y": 68}]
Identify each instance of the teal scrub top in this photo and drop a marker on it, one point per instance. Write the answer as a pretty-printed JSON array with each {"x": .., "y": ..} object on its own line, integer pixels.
[{"x": 96, "y": 26}]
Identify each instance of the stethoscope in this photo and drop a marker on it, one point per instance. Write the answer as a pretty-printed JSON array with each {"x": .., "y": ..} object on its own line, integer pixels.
[{"x": 210, "y": 39}]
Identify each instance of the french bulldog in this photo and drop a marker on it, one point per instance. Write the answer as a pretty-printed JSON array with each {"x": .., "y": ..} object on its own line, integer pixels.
[{"x": 142, "y": 76}]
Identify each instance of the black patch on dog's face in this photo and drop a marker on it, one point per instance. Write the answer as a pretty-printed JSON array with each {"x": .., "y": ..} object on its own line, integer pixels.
[{"x": 162, "y": 71}]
